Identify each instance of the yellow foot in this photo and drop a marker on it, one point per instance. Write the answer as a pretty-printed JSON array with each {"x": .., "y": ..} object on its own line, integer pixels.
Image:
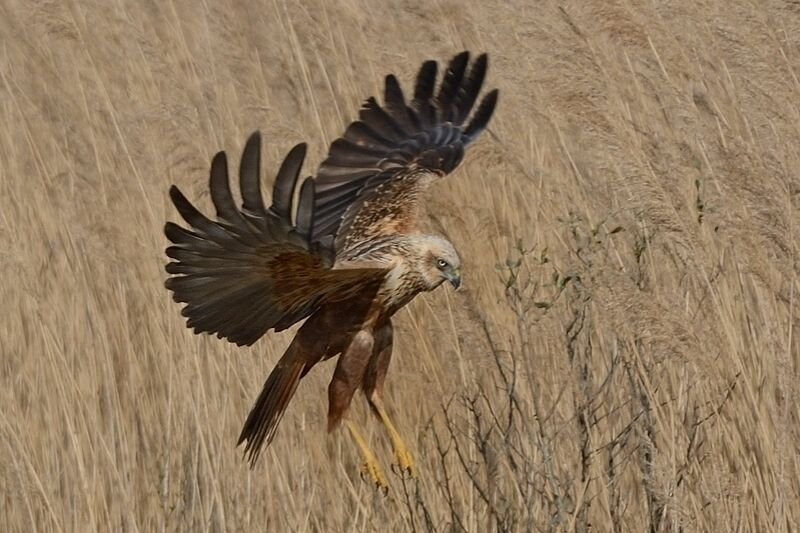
[
  {"x": 404, "y": 463},
  {"x": 370, "y": 468}
]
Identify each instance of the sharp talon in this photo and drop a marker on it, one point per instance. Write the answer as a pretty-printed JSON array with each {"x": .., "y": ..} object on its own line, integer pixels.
[
  {"x": 370, "y": 467},
  {"x": 403, "y": 465},
  {"x": 373, "y": 471}
]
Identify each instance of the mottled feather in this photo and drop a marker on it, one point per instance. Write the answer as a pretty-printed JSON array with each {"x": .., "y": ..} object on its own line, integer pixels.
[{"x": 389, "y": 207}]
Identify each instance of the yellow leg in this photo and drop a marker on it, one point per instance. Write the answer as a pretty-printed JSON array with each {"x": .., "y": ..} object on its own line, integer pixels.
[
  {"x": 402, "y": 457},
  {"x": 370, "y": 467}
]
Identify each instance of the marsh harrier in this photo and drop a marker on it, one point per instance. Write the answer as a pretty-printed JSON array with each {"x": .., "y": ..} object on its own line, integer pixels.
[{"x": 344, "y": 256}]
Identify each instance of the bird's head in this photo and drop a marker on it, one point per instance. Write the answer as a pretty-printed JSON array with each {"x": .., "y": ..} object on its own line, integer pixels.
[{"x": 439, "y": 262}]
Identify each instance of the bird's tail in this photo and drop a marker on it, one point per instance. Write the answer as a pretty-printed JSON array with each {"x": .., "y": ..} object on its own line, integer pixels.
[{"x": 266, "y": 413}]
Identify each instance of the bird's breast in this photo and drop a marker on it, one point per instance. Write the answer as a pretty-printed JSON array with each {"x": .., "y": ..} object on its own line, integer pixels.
[{"x": 398, "y": 289}]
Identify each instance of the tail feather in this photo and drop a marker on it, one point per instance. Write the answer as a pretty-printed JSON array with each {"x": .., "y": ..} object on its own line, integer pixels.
[{"x": 261, "y": 423}]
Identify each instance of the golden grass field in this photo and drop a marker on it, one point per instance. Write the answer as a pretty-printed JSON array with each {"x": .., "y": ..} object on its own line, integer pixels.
[{"x": 624, "y": 355}]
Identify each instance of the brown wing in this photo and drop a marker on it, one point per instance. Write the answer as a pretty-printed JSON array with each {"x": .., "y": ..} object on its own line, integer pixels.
[
  {"x": 387, "y": 158},
  {"x": 252, "y": 269}
]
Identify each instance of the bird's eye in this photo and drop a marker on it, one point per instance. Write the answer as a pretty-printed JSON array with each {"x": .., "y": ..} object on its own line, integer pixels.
[{"x": 441, "y": 263}]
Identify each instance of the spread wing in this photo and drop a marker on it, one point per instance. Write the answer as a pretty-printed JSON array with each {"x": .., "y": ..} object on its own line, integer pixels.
[
  {"x": 373, "y": 178},
  {"x": 252, "y": 269}
]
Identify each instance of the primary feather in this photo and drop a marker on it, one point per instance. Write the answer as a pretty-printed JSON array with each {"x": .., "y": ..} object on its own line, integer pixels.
[
  {"x": 252, "y": 270},
  {"x": 394, "y": 143}
]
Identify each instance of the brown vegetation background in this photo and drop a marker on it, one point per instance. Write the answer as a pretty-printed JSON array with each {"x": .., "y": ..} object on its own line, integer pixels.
[{"x": 624, "y": 356}]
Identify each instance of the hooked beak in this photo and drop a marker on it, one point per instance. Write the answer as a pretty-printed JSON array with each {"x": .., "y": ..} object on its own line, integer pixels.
[{"x": 454, "y": 277}]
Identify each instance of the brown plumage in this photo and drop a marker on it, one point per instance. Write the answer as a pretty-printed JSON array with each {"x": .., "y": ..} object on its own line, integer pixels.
[{"x": 346, "y": 256}]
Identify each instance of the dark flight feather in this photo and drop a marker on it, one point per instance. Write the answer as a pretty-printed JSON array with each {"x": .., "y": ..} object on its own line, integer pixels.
[
  {"x": 252, "y": 270},
  {"x": 398, "y": 140}
]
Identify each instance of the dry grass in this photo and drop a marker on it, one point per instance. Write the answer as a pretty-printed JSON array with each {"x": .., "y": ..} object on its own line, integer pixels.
[{"x": 624, "y": 356}]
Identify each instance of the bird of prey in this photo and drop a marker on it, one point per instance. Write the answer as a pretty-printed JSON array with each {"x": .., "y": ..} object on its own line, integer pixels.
[{"x": 344, "y": 256}]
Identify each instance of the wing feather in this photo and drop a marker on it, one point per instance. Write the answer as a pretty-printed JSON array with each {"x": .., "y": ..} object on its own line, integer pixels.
[
  {"x": 219, "y": 184},
  {"x": 395, "y": 104},
  {"x": 361, "y": 134},
  {"x": 482, "y": 115},
  {"x": 450, "y": 85},
  {"x": 378, "y": 120},
  {"x": 345, "y": 153},
  {"x": 423, "y": 93},
  {"x": 252, "y": 270},
  {"x": 305, "y": 209},
  {"x": 285, "y": 181},
  {"x": 468, "y": 92},
  {"x": 250, "y": 182},
  {"x": 395, "y": 142}
]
